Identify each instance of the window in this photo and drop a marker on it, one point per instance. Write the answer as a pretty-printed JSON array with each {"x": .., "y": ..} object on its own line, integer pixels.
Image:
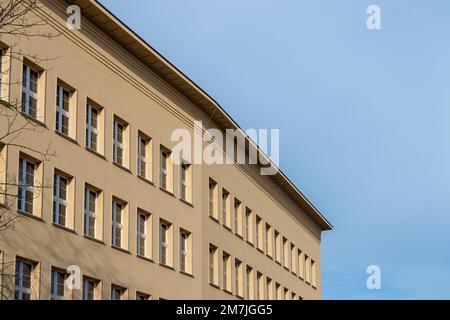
[
  {"x": 213, "y": 265},
  {"x": 143, "y": 234},
  {"x": 259, "y": 234},
  {"x": 58, "y": 288},
  {"x": 118, "y": 293},
  {"x": 293, "y": 296},
  {"x": 286, "y": 253},
  {"x": 307, "y": 269},
  {"x": 269, "y": 240},
  {"x": 2, "y": 81},
  {"x": 30, "y": 79},
  {"x": 269, "y": 289},
  {"x": 301, "y": 265},
  {"x": 3, "y": 180},
  {"x": 249, "y": 225},
  {"x": 144, "y": 159},
  {"x": 237, "y": 217},
  {"x": 165, "y": 243},
  {"x": 185, "y": 252},
  {"x": 186, "y": 181},
  {"x": 60, "y": 194},
  {"x": 212, "y": 196},
  {"x": 90, "y": 289},
  {"x": 142, "y": 296},
  {"x": 90, "y": 212},
  {"x": 165, "y": 179},
  {"x": 286, "y": 295},
  {"x": 93, "y": 127},
  {"x": 63, "y": 97},
  {"x": 249, "y": 282},
  {"x": 117, "y": 223},
  {"x": 278, "y": 291},
  {"x": 26, "y": 195},
  {"x": 294, "y": 259},
  {"x": 119, "y": 142},
  {"x": 259, "y": 286},
  {"x": 277, "y": 247},
  {"x": 226, "y": 219},
  {"x": 313, "y": 274},
  {"x": 226, "y": 271},
  {"x": 23, "y": 280},
  {"x": 238, "y": 278}
]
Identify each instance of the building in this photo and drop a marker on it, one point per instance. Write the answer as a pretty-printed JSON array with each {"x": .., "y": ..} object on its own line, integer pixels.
[{"x": 113, "y": 204}]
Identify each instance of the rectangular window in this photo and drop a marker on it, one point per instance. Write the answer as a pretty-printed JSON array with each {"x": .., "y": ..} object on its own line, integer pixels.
[
  {"x": 186, "y": 181},
  {"x": 165, "y": 246},
  {"x": 269, "y": 240},
  {"x": 294, "y": 259},
  {"x": 213, "y": 265},
  {"x": 259, "y": 234},
  {"x": 142, "y": 296},
  {"x": 90, "y": 289},
  {"x": 238, "y": 217},
  {"x": 92, "y": 127},
  {"x": 119, "y": 142},
  {"x": 226, "y": 271},
  {"x": 23, "y": 280},
  {"x": 286, "y": 253},
  {"x": 226, "y": 219},
  {"x": 278, "y": 291},
  {"x": 294, "y": 296},
  {"x": 30, "y": 79},
  {"x": 117, "y": 223},
  {"x": 249, "y": 225},
  {"x": 249, "y": 282},
  {"x": 63, "y": 97},
  {"x": 26, "y": 188},
  {"x": 307, "y": 269},
  {"x": 301, "y": 265},
  {"x": 142, "y": 221},
  {"x": 117, "y": 293},
  {"x": 269, "y": 289},
  {"x": 3, "y": 178},
  {"x": 212, "y": 196},
  {"x": 185, "y": 252},
  {"x": 143, "y": 159},
  {"x": 58, "y": 288},
  {"x": 90, "y": 212},
  {"x": 60, "y": 194},
  {"x": 238, "y": 278},
  {"x": 165, "y": 179},
  {"x": 286, "y": 295},
  {"x": 259, "y": 286},
  {"x": 277, "y": 247},
  {"x": 313, "y": 274}
]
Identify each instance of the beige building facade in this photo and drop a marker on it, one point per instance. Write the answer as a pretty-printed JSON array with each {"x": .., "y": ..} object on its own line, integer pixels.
[{"x": 113, "y": 205}]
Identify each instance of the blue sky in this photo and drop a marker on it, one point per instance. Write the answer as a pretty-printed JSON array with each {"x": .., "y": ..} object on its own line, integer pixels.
[{"x": 364, "y": 118}]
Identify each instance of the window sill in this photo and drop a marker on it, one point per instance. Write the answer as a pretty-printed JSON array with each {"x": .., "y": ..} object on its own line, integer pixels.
[
  {"x": 286, "y": 268},
  {"x": 121, "y": 249},
  {"x": 170, "y": 193},
  {"x": 95, "y": 153},
  {"x": 187, "y": 203},
  {"x": 250, "y": 243},
  {"x": 190, "y": 275},
  {"x": 167, "y": 266},
  {"x": 30, "y": 215},
  {"x": 227, "y": 228},
  {"x": 278, "y": 262},
  {"x": 228, "y": 292},
  {"x": 214, "y": 219},
  {"x": 145, "y": 258},
  {"x": 146, "y": 180},
  {"x": 239, "y": 297},
  {"x": 94, "y": 239},
  {"x": 64, "y": 228},
  {"x": 36, "y": 121},
  {"x": 214, "y": 285},
  {"x": 260, "y": 250},
  {"x": 122, "y": 167},
  {"x": 62, "y": 135},
  {"x": 239, "y": 236}
]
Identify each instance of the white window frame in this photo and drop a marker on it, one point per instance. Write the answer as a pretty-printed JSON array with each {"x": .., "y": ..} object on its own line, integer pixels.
[
  {"x": 116, "y": 144},
  {"x": 184, "y": 187},
  {"x": 57, "y": 198},
  {"x": 164, "y": 172},
  {"x": 26, "y": 89},
  {"x": 19, "y": 289},
  {"x": 142, "y": 158},
  {"x": 60, "y": 112},
  {"x": 117, "y": 225},
  {"x": 184, "y": 239},
  {"x": 163, "y": 245},
  {"x": 142, "y": 234},
  {"x": 23, "y": 186},
  {"x": 90, "y": 129},
  {"x": 54, "y": 286},
  {"x": 88, "y": 213}
]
